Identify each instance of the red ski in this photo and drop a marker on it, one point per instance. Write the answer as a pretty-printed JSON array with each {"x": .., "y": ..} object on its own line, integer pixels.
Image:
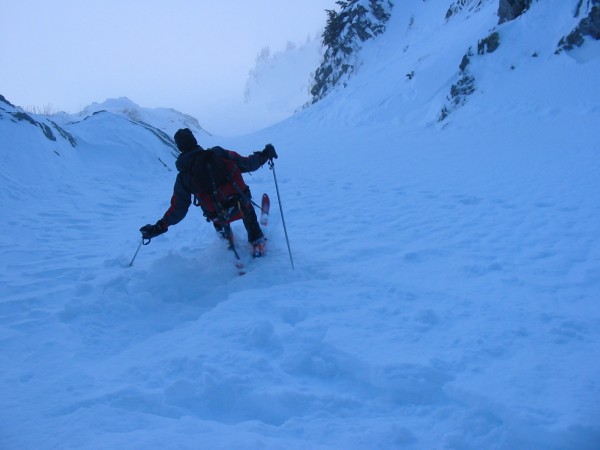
[
  {"x": 264, "y": 210},
  {"x": 259, "y": 247}
]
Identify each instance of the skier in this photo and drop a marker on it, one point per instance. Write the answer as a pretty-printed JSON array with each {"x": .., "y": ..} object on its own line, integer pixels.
[{"x": 213, "y": 178}]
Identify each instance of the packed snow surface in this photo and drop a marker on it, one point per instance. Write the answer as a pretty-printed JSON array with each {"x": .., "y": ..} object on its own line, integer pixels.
[{"x": 446, "y": 291}]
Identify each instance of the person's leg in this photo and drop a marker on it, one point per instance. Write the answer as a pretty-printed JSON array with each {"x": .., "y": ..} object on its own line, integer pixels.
[
  {"x": 251, "y": 222},
  {"x": 255, "y": 234}
]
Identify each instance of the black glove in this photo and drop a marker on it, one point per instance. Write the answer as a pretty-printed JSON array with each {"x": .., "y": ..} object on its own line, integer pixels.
[
  {"x": 269, "y": 152},
  {"x": 151, "y": 231}
]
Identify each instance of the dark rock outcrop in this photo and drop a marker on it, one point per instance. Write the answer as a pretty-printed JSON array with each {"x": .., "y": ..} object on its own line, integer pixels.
[
  {"x": 588, "y": 26},
  {"x": 463, "y": 5},
  {"x": 511, "y": 9}
]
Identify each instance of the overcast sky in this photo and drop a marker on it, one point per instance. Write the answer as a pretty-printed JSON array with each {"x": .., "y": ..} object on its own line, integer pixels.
[{"x": 191, "y": 55}]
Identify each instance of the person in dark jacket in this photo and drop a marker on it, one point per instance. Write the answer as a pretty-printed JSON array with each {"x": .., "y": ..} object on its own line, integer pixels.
[{"x": 231, "y": 201}]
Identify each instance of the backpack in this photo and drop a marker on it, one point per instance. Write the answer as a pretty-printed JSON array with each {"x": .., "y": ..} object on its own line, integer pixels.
[
  {"x": 209, "y": 171},
  {"x": 215, "y": 181}
]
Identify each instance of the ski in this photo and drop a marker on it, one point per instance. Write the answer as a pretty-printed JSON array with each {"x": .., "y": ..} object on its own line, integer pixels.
[
  {"x": 239, "y": 265},
  {"x": 259, "y": 250},
  {"x": 240, "y": 268},
  {"x": 264, "y": 210}
]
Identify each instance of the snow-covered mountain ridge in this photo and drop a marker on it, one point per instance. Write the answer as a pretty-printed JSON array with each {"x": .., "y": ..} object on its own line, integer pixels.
[
  {"x": 446, "y": 285},
  {"x": 468, "y": 32}
]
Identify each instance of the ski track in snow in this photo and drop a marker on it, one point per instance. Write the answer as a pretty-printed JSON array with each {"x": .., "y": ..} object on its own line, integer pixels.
[{"x": 426, "y": 302}]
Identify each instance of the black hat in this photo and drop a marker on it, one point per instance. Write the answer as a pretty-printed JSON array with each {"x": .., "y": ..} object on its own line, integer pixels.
[{"x": 185, "y": 140}]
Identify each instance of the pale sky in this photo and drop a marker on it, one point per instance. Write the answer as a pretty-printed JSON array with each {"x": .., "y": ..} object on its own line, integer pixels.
[{"x": 193, "y": 56}]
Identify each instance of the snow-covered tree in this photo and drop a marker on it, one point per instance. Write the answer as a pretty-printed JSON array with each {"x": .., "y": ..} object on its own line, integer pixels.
[{"x": 346, "y": 30}]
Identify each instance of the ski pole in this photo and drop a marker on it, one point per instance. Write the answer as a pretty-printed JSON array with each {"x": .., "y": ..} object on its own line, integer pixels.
[
  {"x": 138, "y": 249},
  {"x": 272, "y": 167}
]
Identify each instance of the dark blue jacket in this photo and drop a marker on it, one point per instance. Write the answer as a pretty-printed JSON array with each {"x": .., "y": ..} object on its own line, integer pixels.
[{"x": 183, "y": 191}]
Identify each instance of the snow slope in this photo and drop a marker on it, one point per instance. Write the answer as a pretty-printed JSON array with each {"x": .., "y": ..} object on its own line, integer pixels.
[{"x": 447, "y": 273}]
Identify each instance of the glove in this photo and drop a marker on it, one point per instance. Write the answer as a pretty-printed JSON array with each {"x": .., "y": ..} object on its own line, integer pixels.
[
  {"x": 269, "y": 152},
  {"x": 151, "y": 231}
]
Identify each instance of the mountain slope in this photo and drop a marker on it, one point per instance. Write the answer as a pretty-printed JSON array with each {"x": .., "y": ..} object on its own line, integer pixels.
[{"x": 446, "y": 282}]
